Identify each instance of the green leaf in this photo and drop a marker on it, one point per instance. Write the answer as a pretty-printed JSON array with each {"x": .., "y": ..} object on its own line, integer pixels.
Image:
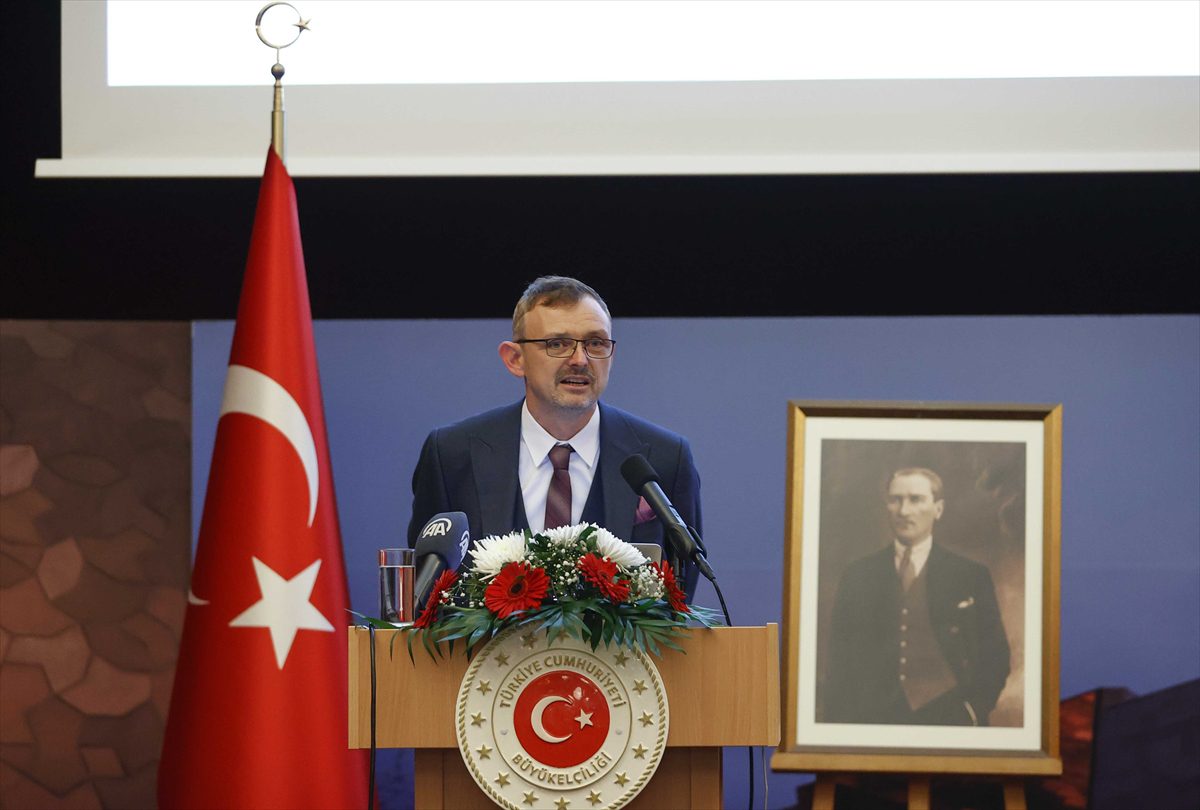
[
  {"x": 430, "y": 642},
  {"x": 652, "y": 645}
]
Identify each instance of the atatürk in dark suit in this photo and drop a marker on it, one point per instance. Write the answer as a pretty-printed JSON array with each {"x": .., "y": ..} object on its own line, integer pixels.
[
  {"x": 471, "y": 467},
  {"x": 962, "y": 656}
]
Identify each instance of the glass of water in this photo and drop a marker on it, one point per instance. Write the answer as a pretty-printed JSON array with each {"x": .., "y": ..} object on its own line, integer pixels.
[{"x": 396, "y": 569}]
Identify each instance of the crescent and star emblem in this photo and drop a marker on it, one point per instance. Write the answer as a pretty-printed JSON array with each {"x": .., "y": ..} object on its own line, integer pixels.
[
  {"x": 558, "y": 724},
  {"x": 285, "y": 606},
  {"x": 583, "y": 719}
]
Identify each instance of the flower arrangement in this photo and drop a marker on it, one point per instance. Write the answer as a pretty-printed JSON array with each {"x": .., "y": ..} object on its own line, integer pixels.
[{"x": 580, "y": 580}]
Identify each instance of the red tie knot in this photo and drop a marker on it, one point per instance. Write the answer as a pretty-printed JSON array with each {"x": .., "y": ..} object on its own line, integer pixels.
[{"x": 560, "y": 456}]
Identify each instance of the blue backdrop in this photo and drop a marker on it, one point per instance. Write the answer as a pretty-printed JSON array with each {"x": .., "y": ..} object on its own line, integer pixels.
[{"x": 1130, "y": 388}]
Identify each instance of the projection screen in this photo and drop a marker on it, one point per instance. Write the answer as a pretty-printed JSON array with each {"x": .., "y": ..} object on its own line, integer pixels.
[{"x": 579, "y": 88}]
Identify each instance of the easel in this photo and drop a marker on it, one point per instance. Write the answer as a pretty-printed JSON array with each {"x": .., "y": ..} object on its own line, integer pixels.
[{"x": 918, "y": 792}]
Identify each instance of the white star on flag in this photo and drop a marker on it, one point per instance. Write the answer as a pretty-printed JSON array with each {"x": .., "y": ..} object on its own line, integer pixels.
[{"x": 284, "y": 608}]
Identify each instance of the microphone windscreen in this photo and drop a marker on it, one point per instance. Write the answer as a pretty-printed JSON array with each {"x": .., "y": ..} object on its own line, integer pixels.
[
  {"x": 439, "y": 548},
  {"x": 446, "y": 535},
  {"x": 637, "y": 472}
]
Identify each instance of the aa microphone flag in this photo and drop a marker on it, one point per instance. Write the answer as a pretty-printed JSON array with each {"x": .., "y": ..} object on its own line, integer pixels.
[{"x": 258, "y": 714}]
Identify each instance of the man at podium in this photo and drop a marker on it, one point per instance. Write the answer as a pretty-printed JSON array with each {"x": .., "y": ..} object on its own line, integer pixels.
[{"x": 554, "y": 458}]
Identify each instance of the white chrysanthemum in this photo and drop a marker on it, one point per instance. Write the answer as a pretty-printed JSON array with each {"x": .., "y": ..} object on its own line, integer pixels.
[
  {"x": 563, "y": 535},
  {"x": 491, "y": 554},
  {"x": 617, "y": 550}
]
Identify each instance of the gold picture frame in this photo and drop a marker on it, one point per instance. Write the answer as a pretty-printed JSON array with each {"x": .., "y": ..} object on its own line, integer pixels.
[{"x": 999, "y": 518}]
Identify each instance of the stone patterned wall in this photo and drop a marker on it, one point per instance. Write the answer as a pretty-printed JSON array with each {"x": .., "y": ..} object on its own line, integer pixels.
[{"x": 94, "y": 551}]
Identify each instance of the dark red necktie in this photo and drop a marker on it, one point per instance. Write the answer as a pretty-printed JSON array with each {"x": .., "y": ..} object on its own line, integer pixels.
[
  {"x": 908, "y": 570},
  {"x": 558, "y": 498}
]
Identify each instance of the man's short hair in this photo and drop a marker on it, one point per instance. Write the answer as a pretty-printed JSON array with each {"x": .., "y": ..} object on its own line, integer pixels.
[
  {"x": 552, "y": 291},
  {"x": 935, "y": 480}
]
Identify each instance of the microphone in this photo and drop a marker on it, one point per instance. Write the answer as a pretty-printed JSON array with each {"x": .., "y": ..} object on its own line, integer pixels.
[
  {"x": 440, "y": 546},
  {"x": 638, "y": 473}
]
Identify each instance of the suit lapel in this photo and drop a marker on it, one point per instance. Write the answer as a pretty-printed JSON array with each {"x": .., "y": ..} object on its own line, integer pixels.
[
  {"x": 494, "y": 449},
  {"x": 890, "y": 593},
  {"x": 617, "y": 443},
  {"x": 935, "y": 583},
  {"x": 942, "y": 613}
]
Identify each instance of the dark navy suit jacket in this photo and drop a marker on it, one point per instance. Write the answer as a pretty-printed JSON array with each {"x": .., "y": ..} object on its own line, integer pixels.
[{"x": 471, "y": 466}]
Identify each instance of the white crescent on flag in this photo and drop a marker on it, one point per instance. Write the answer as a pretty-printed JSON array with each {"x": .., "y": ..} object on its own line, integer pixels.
[{"x": 255, "y": 394}]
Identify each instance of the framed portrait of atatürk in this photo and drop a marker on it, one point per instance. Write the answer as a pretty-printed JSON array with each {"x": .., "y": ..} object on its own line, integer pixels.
[{"x": 921, "y": 588}]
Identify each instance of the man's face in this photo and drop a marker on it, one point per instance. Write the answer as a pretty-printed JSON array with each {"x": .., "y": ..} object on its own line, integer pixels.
[
  {"x": 564, "y": 384},
  {"x": 911, "y": 507}
]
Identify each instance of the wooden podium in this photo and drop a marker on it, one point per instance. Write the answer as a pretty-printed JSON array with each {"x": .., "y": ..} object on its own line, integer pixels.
[{"x": 724, "y": 691}]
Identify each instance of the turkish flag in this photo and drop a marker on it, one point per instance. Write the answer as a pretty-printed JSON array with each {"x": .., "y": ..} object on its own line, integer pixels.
[{"x": 259, "y": 711}]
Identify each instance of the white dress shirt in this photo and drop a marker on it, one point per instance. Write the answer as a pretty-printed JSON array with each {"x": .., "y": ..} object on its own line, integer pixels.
[
  {"x": 534, "y": 469},
  {"x": 920, "y": 549}
]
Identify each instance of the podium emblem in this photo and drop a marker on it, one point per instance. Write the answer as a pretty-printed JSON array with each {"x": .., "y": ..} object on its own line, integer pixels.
[{"x": 560, "y": 725}]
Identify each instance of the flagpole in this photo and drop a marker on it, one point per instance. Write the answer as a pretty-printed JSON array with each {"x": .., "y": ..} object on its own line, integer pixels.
[
  {"x": 277, "y": 114},
  {"x": 301, "y": 25}
]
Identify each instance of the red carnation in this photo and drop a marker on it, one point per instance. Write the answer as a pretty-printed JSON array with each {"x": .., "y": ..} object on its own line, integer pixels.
[
  {"x": 444, "y": 583},
  {"x": 674, "y": 594},
  {"x": 602, "y": 573},
  {"x": 517, "y": 587}
]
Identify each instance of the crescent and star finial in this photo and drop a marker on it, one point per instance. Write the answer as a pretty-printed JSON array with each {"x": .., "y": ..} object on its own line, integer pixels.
[{"x": 301, "y": 25}]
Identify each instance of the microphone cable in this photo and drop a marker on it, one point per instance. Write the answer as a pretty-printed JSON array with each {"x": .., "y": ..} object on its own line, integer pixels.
[
  {"x": 766, "y": 785},
  {"x": 371, "y": 772},
  {"x": 749, "y": 748}
]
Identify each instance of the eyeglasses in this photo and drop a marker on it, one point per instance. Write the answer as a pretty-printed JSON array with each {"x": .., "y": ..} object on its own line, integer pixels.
[{"x": 595, "y": 348}]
